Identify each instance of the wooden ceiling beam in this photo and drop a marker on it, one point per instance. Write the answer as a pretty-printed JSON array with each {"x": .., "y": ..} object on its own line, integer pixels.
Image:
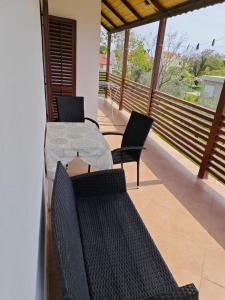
[
  {"x": 114, "y": 11},
  {"x": 131, "y": 9},
  {"x": 108, "y": 19},
  {"x": 174, "y": 11},
  {"x": 103, "y": 25},
  {"x": 157, "y": 5}
]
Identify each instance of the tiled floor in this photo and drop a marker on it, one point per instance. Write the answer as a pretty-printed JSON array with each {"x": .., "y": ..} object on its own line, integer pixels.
[{"x": 184, "y": 215}]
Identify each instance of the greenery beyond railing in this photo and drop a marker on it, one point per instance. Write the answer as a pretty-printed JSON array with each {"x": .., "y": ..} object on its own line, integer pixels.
[{"x": 183, "y": 124}]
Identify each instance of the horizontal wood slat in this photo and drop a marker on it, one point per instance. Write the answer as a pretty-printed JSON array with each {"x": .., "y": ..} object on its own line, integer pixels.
[
  {"x": 185, "y": 102},
  {"x": 178, "y": 146},
  {"x": 217, "y": 158},
  {"x": 179, "y": 112},
  {"x": 178, "y": 140},
  {"x": 186, "y": 124}
]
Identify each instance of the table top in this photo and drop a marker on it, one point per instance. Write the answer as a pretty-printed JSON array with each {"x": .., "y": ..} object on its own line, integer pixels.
[
  {"x": 65, "y": 140},
  {"x": 74, "y": 135}
]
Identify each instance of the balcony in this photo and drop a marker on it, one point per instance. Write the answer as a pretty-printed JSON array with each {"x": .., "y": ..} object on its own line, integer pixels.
[{"x": 185, "y": 215}]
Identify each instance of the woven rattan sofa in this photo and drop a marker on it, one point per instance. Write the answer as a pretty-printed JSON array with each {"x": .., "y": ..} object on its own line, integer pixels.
[{"x": 102, "y": 246}]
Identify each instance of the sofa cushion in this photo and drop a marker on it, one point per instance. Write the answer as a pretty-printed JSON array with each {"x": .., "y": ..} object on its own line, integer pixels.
[{"x": 121, "y": 259}]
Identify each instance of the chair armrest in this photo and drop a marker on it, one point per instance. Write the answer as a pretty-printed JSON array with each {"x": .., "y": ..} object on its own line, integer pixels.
[
  {"x": 187, "y": 292},
  {"x": 112, "y": 133},
  {"x": 128, "y": 148},
  {"x": 99, "y": 183},
  {"x": 93, "y": 121}
]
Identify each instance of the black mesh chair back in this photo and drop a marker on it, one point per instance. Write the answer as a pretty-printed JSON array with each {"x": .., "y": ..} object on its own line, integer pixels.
[
  {"x": 70, "y": 109},
  {"x": 66, "y": 237},
  {"x": 136, "y": 132}
]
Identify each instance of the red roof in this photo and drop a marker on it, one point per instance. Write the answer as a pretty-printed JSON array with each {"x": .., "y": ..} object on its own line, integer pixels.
[{"x": 103, "y": 59}]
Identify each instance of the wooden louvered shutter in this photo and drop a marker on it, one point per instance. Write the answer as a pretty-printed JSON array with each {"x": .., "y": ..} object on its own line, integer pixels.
[{"x": 61, "y": 60}]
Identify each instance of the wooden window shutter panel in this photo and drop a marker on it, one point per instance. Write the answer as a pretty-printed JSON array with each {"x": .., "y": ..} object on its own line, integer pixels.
[{"x": 62, "y": 60}]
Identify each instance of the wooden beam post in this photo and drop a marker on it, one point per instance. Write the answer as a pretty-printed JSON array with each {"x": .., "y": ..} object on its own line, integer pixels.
[
  {"x": 124, "y": 69},
  {"x": 108, "y": 60},
  {"x": 47, "y": 70},
  {"x": 216, "y": 125},
  {"x": 156, "y": 64}
]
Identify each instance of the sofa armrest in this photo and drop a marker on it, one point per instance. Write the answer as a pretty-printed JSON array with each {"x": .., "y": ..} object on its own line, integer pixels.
[
  {"x": 99, "y": 183},
  {"x": 187, "y": 292}
]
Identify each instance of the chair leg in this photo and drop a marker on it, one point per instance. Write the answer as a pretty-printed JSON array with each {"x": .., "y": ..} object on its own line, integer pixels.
[
  {"x": 89, "y": 168},
  {"x": 138, "y": 173}
]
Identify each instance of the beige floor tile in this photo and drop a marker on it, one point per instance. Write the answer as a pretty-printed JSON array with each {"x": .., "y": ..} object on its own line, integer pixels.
[
  {"x": 190, "y": 228},
  {"x": 184, "y": 277},
  {"x": 214, "y": 265},
  {"x": 182, "y": 255},
  {"x": 77, "y": 167},
  {"x": 218, "y": 219},
  {"x": 211, "y": 291}
]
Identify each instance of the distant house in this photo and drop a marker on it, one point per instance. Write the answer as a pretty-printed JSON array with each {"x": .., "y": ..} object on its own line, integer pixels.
[
  {"x": 212, "y": 86},
  {"x": 103, "y": 63},
  {"x": 173, "y": 57},
  {"x": 148, "y": 56}
]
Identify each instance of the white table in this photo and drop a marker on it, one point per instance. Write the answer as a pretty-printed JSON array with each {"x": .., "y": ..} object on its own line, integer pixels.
[
  {"x": 110, "y": 86},
  {"x": 65, "y": 140}
]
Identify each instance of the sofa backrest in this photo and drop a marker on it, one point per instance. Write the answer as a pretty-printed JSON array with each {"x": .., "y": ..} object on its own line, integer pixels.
[{"x": 66, "y": 237}]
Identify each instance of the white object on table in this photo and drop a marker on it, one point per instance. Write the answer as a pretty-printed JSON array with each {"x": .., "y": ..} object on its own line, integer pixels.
[
  {"x": 65, "y": 140},
  {"x": 110, "y": 86}
]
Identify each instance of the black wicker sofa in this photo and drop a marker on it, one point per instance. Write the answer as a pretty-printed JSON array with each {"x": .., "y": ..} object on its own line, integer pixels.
[{"x": 103, "y": 249}]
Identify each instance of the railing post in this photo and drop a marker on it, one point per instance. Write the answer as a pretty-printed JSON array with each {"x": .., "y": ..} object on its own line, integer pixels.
[
  {"x": 156, "y": 64},
  {"x": 108, "y": 60},
  {"x": 124, "y": 69},
  {"x": 216, "y": 125}
]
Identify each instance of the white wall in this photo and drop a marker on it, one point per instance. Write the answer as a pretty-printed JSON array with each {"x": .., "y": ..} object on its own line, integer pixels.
[
  {"x": 22, "y": 124},
  {"x": 87, "y": 15}
]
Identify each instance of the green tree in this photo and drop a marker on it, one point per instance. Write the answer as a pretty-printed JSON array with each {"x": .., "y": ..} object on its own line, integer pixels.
[
  {"x": 174, "y": 77},
  {"x": 118, "y": 44},
  {"x": 207, "y": 62},
  {"x": 139, "y": 62},
  {"x": 103, "y": 41},
  {"x": 103, "y": 49}
]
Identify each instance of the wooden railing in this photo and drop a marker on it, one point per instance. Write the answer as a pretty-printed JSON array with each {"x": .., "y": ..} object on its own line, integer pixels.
[
  {"x": 216, "y": 164},
  {"x": 183, "y": 124}
]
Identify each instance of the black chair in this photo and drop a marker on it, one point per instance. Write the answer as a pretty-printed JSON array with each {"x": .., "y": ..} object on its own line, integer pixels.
[
  {"x": 71, "y": 109},
  {"x": 133, "y": 140}
]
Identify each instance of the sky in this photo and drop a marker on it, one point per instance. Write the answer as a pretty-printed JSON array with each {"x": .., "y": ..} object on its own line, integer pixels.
[{"x": 201, "y": 26}]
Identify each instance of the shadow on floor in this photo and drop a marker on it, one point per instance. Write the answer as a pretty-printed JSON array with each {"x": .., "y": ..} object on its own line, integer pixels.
[{"x": 193, "y": 193}]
